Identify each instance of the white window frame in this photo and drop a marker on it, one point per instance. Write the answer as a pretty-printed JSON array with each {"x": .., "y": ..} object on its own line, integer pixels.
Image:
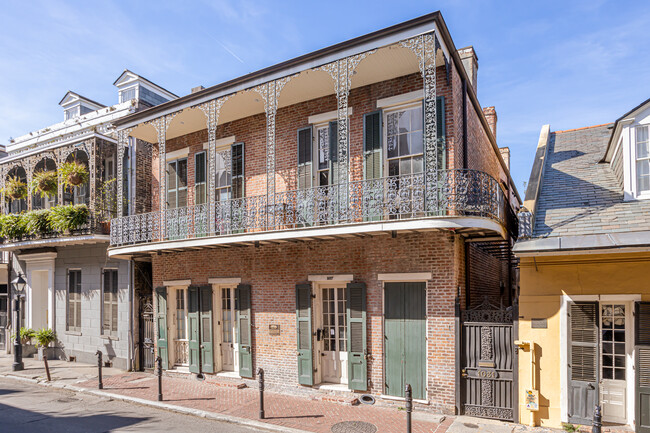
[
  {"x": 176, "y": 160},
  {"x": 385, "y": 113},
  {"x": 68, "y": 327},
  {"x": 315, "y": 171},
  {"x": 642, "y": 195}
]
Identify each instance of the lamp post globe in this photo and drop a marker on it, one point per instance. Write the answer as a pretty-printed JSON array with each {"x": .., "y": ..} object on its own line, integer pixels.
[{"x": 19, "y": 284}]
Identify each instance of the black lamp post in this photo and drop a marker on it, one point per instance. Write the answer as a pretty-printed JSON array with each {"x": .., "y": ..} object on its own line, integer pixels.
[{"x": 19, "y": 285}]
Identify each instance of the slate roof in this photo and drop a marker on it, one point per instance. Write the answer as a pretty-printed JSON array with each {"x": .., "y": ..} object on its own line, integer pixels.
[{"x": 579, "y": 195}]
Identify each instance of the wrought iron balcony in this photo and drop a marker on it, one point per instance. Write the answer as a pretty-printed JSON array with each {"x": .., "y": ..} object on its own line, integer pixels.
[{"x": 449, "y": 193}]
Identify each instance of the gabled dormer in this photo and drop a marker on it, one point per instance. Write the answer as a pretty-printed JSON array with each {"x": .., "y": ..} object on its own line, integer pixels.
[
  {"x": 133, "y": 87},
  {"x": 628, "y": 152},
  {"x": 75, "y": 105}
]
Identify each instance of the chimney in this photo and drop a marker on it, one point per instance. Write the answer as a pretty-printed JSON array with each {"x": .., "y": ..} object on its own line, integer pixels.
[
  {"x": 505, "y": 154},
  {"x": 197, "y": 89},
  {"x": 491, "y": 116},
  {"x": 470, "y": 62}
]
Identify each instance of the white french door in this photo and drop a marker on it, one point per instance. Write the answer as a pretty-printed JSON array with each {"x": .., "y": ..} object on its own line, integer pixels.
[
  {"x": 613, "y": 361},
  {"x": 334, "y": 355},
  {"x": 228, "y": 329},
  {"x": 181, "y": 342}
]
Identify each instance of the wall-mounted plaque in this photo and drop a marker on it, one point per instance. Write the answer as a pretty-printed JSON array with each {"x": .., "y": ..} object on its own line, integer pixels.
[
  {"x": 539, "y": 323},
  {"x": 274, "y": 329}
]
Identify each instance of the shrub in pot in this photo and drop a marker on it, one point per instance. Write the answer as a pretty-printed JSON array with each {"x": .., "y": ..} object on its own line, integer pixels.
[
  {"x": 38, "y": 221},
  {"x": 26, "y": 336},
  {"x": 44, "y": 337},
  {"x": 73, "y": 173},
  {"x": 46, "y": 182},
  {"x": 15, "y": 188},
  {"x": 68, "y": 218},
  {"x": 12, "y": 226}
]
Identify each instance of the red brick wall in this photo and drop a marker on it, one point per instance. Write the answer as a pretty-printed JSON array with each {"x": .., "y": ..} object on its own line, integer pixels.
[
  {"x": 273, "y": 271},
  {"x": 487, "y": 273}
]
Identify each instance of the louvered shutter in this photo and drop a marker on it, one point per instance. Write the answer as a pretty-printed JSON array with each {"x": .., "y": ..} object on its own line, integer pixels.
[
  {"x": 205, "y": 320},
  {"x": 583, "y": 361},
  {"x": 303, "y": 325},
  {"x": 161, "y": 325},
  {"x": 372, "y": 138},
  {"x": 243, "y": 307},
  {"x": 305, "y": 158},
  {"x": 334, "y": 152},
  {"x": 356, "y": 312},
  {"x": 642, "y": 366},
  {"x": 193, "y": 327}
]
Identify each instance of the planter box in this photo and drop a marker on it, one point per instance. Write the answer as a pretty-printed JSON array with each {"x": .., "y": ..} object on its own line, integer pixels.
[
  {"x": 50, "y": 352},
  {"x": 29, "y": 350}
]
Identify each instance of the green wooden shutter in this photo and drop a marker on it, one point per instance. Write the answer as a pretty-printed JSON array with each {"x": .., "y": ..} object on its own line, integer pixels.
[
  {"x": 583, "y": 361},
  {"x": 207, "y": 347},
  {"x": 305, "y": 157},
  {"x": 372, "y": 139},
  {"x": 334, "y": 152},
  {"x": 303, "y": 319},
  {"x": 642, "y": 366},
  {"x": 243, "y": 307},
  {"x": 193, "y": 327},
  {"x": 161, "y": 324},
  {"x": 357, "y": 351}
]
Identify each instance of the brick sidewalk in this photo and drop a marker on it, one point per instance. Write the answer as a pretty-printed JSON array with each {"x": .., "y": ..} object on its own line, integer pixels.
[{"x": 288, "y": 411}]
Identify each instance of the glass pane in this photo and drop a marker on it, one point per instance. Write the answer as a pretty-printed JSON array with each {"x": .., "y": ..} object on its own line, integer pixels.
[
  {"x": 393, "y": 167},
  {"x": 607, "y": 373},
  {"x": 405, "y": 166},
  {"x": 620, "y": 374},
  {"x": 619, "y": 361},
  {"x": 607, "y": 335},
  {"x": 418, "y": 164},
  {"x": 619, "y": 310},
  {"x": 417, "y": 142},
  {"x": 403, "y": 144},
  {"x": 643, "y": 175},
  {"x": 391, "y": 145},
  {"x": 391, "y": 124},
  {"x": 182, "y": 173},
  {"x": 608, "y": 360},
  {"x": 404, "y": 122},
  {"x": 619, "y": 336},
  {"x": 171, "y": 175},
  {"x": 416, "y": 119},
  {"x": 608, "y": 348},
  {"x": 641, "y": 134},
  {"x": 619, "y": 348}
]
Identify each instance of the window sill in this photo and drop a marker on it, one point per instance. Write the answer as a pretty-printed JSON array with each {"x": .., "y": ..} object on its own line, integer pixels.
[{"x": 74, "y": 333}]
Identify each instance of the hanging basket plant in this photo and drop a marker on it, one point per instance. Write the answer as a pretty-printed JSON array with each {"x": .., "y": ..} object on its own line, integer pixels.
[
  {"x": 73, "y": 173},
  {"x": 15, "y": 188},
  {"x": 46, "y": 182}
]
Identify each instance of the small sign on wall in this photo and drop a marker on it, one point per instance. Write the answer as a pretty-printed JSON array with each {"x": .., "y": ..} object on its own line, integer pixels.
[
  {"x": 539, "y": 323},
  {"x": 532, "y": 400},
  {"x": 274, "y": 329}
]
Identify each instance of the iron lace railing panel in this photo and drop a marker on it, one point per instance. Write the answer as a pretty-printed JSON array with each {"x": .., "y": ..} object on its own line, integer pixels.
[{"x": 459, "y": 193}]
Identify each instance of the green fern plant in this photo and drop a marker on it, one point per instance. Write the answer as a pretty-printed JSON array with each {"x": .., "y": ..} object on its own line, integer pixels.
[
  {"x": 73, "y": 173},
  {"x": 68, "y": 218},
  {"x": 46, "y": 182},
  {"x": 38, "y": 221},
  {"x": 15, "y": 188},
  {"x": 12, "y": 226},
  {"x": 44, "y": 337}
]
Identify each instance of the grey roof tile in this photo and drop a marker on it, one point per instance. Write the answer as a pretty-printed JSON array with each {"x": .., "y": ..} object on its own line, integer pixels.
[{"x": 578, "y": 194}]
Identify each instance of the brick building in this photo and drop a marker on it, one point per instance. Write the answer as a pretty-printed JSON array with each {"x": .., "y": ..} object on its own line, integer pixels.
[
  {"x": 73, "y": 287},
  {"x": 324, "y": 217}
]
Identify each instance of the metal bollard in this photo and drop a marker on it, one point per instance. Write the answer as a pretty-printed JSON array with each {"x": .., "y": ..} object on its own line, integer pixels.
[
  {"x": 598, "y": 420},
  {"x": 409, "y": 407},
  {"x": 47, "y": 369},
  {"x": 99, "y": 368},
  {"x": 260, "y": 379},
  {"x": 159, "y": 373}
]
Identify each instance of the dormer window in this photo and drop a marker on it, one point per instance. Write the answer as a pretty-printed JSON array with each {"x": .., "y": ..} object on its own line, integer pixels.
[
  {"x": 71, "y": 113},
  {"x": 642, "y": 159},
  {"x": 127, "y": 95}
]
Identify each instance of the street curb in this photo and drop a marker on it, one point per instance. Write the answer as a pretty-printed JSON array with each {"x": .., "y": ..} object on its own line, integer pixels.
[{"x": 165, "y": 406}]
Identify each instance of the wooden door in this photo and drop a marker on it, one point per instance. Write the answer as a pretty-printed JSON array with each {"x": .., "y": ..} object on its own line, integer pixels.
[
  {"x": 583, "y": 361},
  {"x": 642, "y": 367},
  {"x": 405, "y": 338}
]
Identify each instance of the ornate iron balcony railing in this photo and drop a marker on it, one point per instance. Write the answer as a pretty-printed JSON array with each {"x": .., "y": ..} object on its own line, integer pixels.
[{"x": 457, "y": 193}]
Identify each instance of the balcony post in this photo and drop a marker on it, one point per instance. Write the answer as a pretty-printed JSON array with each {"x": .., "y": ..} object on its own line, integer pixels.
[
  {"x": 92, "y": 152},
  {"x": 211, "y": 109},
  {"x": 29, "y": 173},
  {"x": 425, "y": 47},
  {"x": 161, "y": 124},
  {"x": 122, "y": 144}
]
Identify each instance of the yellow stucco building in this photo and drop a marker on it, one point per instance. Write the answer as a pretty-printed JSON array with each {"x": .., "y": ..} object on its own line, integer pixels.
[{"x": 584, "y": 299}]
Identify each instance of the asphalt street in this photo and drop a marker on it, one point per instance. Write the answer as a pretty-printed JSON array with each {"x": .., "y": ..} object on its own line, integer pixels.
[{"x": 27, "y": 408}]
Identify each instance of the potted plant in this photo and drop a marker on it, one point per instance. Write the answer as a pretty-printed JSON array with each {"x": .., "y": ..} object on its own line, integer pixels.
[
  {"x": 68, "y": 218},
  {"x": 45, "y": 337},
  {"x": 73, "y": 173},
  {"x": 106, "y": 204},
  {"x": 15, "y": 188},
  {"x": 26, "y": 336},
  {"x": 37, "y": 222},
  {"x": 12, "y": 226},
  {"x": 46, "y": 182}
]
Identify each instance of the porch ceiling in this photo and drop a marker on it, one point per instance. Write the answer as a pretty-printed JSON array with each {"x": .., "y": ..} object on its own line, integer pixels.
[{"x": 384, "y": 64}]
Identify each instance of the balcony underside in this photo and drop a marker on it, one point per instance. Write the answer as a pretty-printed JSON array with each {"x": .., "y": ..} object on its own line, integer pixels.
[
  {"x": 469, "y": 226},
  {"x": 56, "y": 242}
]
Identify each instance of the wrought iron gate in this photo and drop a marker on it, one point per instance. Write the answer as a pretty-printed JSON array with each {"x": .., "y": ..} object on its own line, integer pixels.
[
  {"x": 488, "y": 385},
  {"x": 146, "y": 342}
]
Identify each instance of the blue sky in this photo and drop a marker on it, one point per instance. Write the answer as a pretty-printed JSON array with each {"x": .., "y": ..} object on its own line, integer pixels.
[{"x": 570, "y": 64}]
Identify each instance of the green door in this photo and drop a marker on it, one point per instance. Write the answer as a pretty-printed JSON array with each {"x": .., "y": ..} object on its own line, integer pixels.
[
  {"x": 161, "y": 325},
  {"x": 405, "y": 338},
  {"x": 357, "y": 351},
  {"x": 243, "y": 307},
  {"x": 206, "y": 347},
  {"x": 193, "y": 327},
  {"x": 642, "y": 366}
]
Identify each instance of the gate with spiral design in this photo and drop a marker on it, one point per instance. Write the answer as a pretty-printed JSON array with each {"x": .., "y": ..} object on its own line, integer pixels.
[{"x": 488, "y": 386}]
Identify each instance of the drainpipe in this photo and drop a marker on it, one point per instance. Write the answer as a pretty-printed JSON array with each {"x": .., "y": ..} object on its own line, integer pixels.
[
  {"x": 465, "y": 165},
  {"x": 129, "y": 365}
]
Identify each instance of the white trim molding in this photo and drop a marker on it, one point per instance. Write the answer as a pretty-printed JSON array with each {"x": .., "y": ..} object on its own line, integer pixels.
[
  {"x": 176, "y": 283},
  {"x": 334, "y": 277},
  {"x": 224, "y": 280},
  {"x": 405, "y": 276},
  {"x": 222, "y": 142},
  {"x": 177, "y": 154},
  {"x": 402, "y": 99},
  {"x": 326, "y": 117}
]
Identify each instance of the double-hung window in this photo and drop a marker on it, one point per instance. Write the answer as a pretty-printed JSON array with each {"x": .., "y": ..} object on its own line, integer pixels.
[
  {"x": 74, "y": 300},
  {"x": 222, "y": 173},
  {"x": 109, "y": 308},
  {"x": 404, "y": 140},
  {"x": 177, "y": 183},
  {"x": 317, "y": 155},
  {"x": 200, "y": 189},
  {"x": 642, "y": 159}
]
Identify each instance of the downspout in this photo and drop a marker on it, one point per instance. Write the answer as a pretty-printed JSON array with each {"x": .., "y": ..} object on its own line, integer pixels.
[
  {"x": 465, "y": 165},
  {"x": 129, "y": 366}
]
